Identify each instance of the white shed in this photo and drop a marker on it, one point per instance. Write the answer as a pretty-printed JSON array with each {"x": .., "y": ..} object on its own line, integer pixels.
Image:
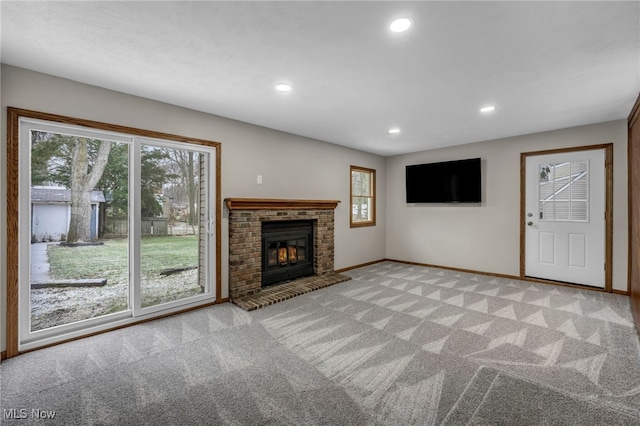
[{"x": 51, "y": 213}]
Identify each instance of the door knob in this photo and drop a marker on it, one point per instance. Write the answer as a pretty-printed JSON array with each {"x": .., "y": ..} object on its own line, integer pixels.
[{"x": 530, "y": 223}]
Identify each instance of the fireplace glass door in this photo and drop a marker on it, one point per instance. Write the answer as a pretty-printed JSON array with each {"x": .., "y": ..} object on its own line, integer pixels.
[
  {"x": 286, "y": 251},
  {"x": 289, "y": 252}
]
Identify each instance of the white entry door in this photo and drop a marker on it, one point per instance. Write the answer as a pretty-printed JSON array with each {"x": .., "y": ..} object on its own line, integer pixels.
[{"x": 565, "y": 217}]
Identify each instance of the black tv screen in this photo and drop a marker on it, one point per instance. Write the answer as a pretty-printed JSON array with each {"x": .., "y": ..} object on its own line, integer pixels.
[{"x": 447, "y": 182}]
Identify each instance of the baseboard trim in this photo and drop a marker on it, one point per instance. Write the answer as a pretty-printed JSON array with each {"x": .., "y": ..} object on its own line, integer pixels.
[
  {"x": 620, "y": 292},
  {"x": 511, "y": 277},
  {"x": 450, "y": 268},
  {"x": 362, "y": 265}
]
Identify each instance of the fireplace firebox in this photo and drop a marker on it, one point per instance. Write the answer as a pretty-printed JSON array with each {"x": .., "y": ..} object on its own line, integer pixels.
[{"x": 287, "y": 250}]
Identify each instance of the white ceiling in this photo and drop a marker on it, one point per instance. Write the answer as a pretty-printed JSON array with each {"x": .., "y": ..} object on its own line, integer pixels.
[{"x": 545, "y": 65}]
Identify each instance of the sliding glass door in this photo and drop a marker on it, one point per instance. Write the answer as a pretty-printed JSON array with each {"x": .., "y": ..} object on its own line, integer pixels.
[
  {"x": 113, "y": 227},
  {"x": 172, "y": 257}
]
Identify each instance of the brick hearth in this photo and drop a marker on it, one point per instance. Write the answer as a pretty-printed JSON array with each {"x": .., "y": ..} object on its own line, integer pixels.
[
  {"x": 245, "y": 247},
  {"x": 280, "y": 292}
]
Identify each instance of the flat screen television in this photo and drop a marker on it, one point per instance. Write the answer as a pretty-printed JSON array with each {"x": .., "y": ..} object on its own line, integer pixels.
[{"x": 446, "y": 182}]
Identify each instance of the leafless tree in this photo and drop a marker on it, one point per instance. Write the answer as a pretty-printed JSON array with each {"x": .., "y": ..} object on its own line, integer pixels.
[{"x": 82, "y": 183}]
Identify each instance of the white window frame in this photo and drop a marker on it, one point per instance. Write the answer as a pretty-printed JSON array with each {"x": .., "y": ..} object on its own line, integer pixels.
[{"x": 27, "y": 339}]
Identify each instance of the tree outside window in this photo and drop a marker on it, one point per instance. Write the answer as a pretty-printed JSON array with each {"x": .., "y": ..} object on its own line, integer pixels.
[{"x": 363, "y": 196}]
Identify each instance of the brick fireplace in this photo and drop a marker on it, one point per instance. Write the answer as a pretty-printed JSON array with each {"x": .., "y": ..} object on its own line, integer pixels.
[{"x": 246, "y": 219}]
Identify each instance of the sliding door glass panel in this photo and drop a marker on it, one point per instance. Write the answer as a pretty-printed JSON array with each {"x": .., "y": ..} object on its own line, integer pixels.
[
  {"x": 111, "y": 227},
  {"x": 173, "y": 243},
  {"x": 79, "y": 239}
]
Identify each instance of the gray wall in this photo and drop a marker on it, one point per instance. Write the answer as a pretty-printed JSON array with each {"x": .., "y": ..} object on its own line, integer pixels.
[
  {"x": 291, "y": 166},
  {"x": 487, "y": 237},
  {"x": 483, "y": 238}
]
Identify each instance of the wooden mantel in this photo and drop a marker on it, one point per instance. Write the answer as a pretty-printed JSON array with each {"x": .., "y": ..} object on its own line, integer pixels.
[{"x": 279, "y": 204}]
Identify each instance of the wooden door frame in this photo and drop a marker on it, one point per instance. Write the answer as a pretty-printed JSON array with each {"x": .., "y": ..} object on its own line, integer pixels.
[
  {"x": 633, "y": 276},
  {"x": 13, "y": 205},
  {"x": 608, "y": 213}
]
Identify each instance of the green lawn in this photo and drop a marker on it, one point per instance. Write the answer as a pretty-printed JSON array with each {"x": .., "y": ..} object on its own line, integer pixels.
[{"x": 111, "y": 259}]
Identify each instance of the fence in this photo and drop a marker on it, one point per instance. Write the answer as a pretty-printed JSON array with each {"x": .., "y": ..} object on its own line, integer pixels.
[{"x": 116, "y": 228}]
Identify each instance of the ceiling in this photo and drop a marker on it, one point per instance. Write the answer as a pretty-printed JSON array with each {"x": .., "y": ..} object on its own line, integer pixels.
[{"x": 544, "y": 65}]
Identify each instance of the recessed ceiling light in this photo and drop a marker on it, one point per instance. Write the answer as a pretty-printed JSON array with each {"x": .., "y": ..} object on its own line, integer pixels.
[
  {"x": 393, "y": 131},
  {"x": 283, "y": 87},
  {"x": 400, "y": 25},
  {"x": 488, "y": 108}
]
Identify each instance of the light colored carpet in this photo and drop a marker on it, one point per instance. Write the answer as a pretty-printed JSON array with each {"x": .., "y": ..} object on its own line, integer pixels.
[{"x": 398, "y": 344}]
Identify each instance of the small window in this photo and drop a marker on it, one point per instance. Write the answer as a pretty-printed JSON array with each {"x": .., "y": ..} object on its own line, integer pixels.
[
  {"x": 564, "y": 192},
  {"x": 363, "y": 196}
]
